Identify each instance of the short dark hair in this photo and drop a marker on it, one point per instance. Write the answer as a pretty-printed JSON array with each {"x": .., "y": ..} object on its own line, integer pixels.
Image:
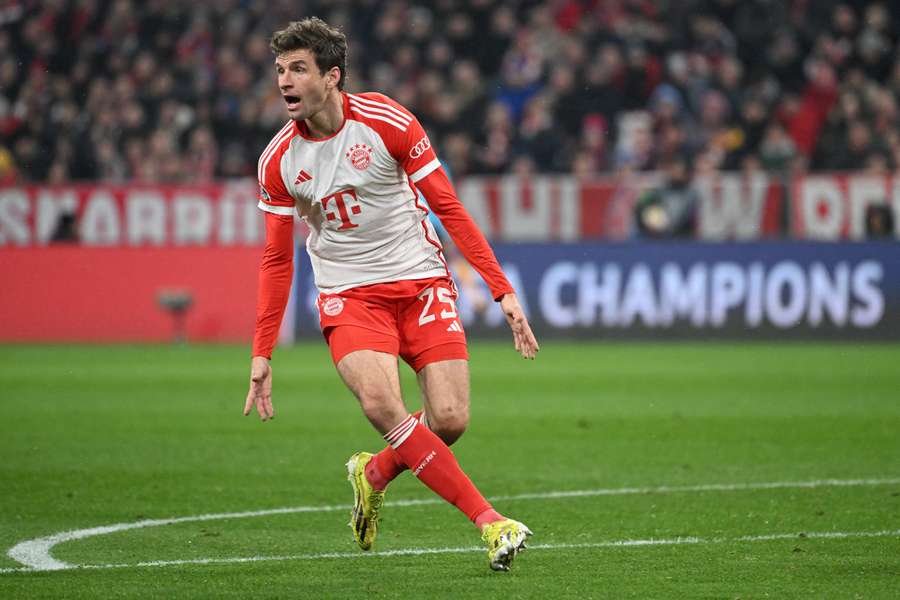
[{"x": 327, "y": 43}]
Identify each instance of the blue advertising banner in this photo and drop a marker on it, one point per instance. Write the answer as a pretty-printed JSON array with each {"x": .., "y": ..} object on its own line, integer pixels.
[{"x": 682, "y": 290}]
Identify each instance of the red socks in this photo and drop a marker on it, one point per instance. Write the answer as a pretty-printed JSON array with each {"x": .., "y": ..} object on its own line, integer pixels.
[
  {"x": 387, "y": 464},
  {"x": 487, "y": 517},
  {"x": 375, "y": 470},
  {"x": 433, "y": 463}
]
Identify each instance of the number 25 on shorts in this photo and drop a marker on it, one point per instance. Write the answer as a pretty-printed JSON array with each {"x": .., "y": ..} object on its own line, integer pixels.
[{"x": 444, "y": 297}]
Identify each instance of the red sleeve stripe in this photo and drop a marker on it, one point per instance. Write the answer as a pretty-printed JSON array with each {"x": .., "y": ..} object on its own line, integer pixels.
[
  {"x": 359, "y": 111},
  {"x": 383, "y": 107},
  {"x": 271, "y": 148}
]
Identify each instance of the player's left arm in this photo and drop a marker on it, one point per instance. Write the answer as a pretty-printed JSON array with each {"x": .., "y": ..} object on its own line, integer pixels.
[
  {"x": 468, "y": 238},
  {"x": 411, "y": 148}
]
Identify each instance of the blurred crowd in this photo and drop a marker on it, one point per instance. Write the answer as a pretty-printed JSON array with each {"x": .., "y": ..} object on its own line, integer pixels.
[{"x": 164, "y": 91}]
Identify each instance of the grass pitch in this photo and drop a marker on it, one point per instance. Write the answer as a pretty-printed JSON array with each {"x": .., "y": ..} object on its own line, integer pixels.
[{"x": 99, "y": 435}]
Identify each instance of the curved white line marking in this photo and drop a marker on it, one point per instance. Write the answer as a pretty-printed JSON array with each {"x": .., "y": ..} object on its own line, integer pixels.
[
  {"x": 35, "y": 554},
  {"x": 421, "y": 551}
]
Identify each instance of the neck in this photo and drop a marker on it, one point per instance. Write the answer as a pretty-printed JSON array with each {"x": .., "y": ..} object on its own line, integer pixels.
[{"x": 327, "y": 121}]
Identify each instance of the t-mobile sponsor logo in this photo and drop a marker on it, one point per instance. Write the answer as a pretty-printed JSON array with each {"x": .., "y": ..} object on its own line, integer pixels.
[
  {"x": 424, "y": 463},
  {"x": 346, "y": 203}
]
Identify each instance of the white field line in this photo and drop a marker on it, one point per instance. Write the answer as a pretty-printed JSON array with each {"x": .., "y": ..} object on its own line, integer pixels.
[
  {"x": 35, "y": 554},
  {"x": 422, "y": 551}
]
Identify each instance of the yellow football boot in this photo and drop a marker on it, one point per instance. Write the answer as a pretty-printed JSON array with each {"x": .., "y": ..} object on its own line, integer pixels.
[
  {"x": 367, "y": 501},
  {"x": 504, "y": 540}
]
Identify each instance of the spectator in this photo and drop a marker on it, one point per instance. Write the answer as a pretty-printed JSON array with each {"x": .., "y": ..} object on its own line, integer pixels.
[
  {"x": 159, "y": 91},
  {"x": 667, "y": 211},
  {"x": 539, "y": 139},
  {"x": 777, "y": 150},
  {"x": 66, "y": 230},
  {"x": 594, "y": 144},
  {"x": 853, "y": 152},
  {"x": 634, "y": 147},
  {"x": 879, "y": 222},
  {"x": 7, "y": 167}
]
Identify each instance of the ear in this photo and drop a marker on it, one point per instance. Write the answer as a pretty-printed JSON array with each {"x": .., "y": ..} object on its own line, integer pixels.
[{"x": 333, "y": 77}]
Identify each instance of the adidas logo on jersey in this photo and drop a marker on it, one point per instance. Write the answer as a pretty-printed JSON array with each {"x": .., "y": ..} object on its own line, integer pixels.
[
  {"x": 455, "y": 326},
  {"x": 302, "y": 177}
]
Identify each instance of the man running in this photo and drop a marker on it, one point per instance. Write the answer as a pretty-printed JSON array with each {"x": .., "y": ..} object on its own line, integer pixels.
[{"x": 350, "y": 165}]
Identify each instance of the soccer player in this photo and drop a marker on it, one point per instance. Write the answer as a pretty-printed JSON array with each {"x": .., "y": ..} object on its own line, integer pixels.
[{"x": 350, "y": 165}]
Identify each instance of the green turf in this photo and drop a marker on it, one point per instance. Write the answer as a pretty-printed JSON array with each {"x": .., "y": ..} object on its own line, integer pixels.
[{"x": 96, "y": 435}]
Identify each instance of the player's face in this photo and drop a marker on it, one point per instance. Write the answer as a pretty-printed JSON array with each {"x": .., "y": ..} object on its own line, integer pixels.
[{"x": 302, "y": 86}]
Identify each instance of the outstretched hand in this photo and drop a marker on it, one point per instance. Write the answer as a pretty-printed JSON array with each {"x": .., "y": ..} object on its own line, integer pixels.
[
  {"x": 260, "y": 392},
  {"x": 526, "y": 343}
]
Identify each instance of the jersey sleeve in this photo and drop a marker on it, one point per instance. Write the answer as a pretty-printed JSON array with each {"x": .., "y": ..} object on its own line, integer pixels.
[
  {"x": 275, "y": 273},
  {"x": 407, "y": 143},
  {"x": 273, "y": 194},
  {"x": 463, "y": 231}
]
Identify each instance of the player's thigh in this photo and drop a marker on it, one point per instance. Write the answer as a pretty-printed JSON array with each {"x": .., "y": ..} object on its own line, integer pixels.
[
  {"x": 369, "y": 372},
  {"x": 445, "y": 392},
  {"x": 374, "y": 379},
  {"x": 352, "y": 321}
]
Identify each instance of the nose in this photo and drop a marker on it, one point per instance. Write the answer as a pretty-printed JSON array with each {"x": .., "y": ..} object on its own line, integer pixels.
[{"x": 284, "y": 82}]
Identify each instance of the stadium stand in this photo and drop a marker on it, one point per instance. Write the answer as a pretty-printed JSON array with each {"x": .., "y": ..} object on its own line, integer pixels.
[{"x": 119, "y": 90}]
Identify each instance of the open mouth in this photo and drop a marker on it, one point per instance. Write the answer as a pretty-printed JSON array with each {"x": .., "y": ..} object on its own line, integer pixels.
[{"x": 292, "y": 102}]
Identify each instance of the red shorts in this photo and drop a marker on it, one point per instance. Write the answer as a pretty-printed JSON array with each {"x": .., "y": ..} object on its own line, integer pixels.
[{"x": 414, "y": 319}]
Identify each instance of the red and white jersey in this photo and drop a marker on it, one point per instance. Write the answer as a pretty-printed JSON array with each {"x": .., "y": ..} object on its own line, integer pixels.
[{"x": 355, "y": 191}]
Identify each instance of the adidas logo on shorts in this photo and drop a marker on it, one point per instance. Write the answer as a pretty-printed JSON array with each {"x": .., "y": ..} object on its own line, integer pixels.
[{"x": 455, "y": 326}]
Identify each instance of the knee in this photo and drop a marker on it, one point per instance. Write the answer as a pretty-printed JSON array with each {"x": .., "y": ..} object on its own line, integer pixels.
[
  {"x": 380, "y": 406},
  {"x": 449, "y": 424}
]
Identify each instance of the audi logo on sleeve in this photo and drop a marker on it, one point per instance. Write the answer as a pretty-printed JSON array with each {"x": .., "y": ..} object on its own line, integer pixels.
[{"x": 420, "y": 147}]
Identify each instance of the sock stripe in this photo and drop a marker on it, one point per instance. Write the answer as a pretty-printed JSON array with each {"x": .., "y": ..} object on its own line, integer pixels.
[
  {"x": 401, "y": 433},
  {"x": 398, "y": 427},
  {"x": 398, "y": 434},
  {"x": 406, "y": 433}
]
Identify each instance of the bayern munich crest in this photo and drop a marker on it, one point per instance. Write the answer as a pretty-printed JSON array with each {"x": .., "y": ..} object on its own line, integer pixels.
[
  {"x": 333, "y": 306},
  {"x": 360, "y": 156}
]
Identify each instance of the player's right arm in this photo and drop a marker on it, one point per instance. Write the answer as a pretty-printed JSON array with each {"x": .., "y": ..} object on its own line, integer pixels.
[{"x": 275, "y": 272}]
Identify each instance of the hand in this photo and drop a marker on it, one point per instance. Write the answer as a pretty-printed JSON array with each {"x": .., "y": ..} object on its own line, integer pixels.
[
  {"x": 260, "y": 392},
  {"x": 524, "y": 339}
]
